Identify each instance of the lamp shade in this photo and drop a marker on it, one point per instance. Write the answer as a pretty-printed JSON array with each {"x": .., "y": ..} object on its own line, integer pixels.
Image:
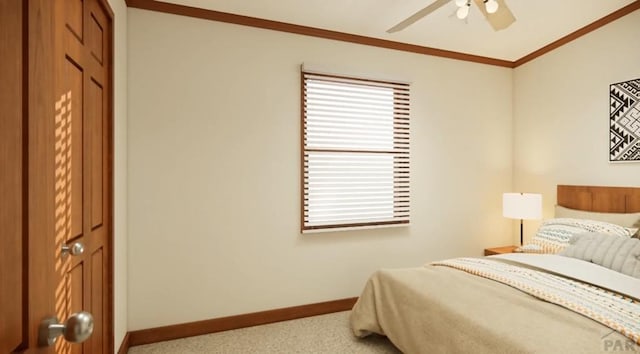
[{"x": 522, "y": 206}]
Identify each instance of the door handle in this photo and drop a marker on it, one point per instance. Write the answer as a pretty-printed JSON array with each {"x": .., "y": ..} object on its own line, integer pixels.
[
  {"x": 77, "y": 329},
  {"x": 75, "y": 249}
]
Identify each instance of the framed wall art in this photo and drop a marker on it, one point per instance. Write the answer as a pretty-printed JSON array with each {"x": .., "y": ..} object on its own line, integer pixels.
[{"x": 624, "y": 121}]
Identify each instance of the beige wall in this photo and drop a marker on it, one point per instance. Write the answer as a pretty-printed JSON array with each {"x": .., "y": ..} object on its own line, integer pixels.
[
  {"x": 214, "y": 169},
  {"x": 120, "y": 178},
  {"x": 561, "y": 125}
]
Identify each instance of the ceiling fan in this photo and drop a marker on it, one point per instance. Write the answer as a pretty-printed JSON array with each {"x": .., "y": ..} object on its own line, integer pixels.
[{"x": 496, "y": 12}]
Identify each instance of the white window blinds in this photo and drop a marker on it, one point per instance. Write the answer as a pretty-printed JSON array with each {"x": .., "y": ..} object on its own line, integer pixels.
[{"x": 355, "y": 152}]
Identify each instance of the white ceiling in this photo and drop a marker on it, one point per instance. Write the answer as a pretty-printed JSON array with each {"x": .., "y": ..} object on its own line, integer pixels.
[{"x": 538, "y": 22}]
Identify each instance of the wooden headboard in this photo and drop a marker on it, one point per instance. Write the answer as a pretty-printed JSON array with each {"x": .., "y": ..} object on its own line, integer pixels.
[{"x": 600, "y": 199}]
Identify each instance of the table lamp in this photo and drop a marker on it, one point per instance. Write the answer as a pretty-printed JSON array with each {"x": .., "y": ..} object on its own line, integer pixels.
[{"x": 522, "y": 206}]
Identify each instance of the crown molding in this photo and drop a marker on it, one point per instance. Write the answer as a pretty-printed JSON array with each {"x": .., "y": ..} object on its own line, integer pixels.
[
  {"x": 579, "y": 33},
  {"x": 195, "y": 12},
  {"x": 218, "y": 16}
]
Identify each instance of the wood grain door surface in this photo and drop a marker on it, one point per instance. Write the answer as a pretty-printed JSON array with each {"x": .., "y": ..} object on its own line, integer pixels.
[{"x": 56, "y": 170}]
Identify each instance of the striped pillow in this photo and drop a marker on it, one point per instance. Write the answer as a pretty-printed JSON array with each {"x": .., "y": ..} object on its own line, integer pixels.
[
  {"x": 617, "y": 253},
  {"x": 554, "y": 234}
]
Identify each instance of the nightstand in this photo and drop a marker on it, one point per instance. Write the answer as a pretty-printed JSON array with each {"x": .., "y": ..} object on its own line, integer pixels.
[{"x": 499, "y": 250}]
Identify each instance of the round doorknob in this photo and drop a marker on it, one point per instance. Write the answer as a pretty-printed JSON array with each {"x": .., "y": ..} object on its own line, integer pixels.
[
  {"x": 77, "y": 329},
  {"x": 75, "y": 249}
]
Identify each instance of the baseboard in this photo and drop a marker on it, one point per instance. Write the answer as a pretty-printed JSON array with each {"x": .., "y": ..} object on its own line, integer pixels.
[
  {"x": 126, "y": 343},
  {"x": 159, "y": 334}
]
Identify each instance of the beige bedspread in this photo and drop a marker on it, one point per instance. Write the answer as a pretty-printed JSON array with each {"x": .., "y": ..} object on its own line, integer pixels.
[{"x": 443, "y": 310}]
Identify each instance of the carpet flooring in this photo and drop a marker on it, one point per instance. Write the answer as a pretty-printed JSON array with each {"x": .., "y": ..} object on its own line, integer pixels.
[{"x": 318, "y": 334}]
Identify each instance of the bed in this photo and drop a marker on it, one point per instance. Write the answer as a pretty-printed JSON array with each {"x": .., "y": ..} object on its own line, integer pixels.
[{"x": 515, "y": 303}]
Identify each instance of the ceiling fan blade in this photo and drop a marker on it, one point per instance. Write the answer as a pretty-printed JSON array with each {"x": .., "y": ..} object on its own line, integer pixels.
[
  {"x": 499, "y": 20},
  {"x": 418, "y": 15}
]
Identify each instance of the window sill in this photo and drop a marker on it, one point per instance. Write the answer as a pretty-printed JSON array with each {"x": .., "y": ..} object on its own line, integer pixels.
[{"x": 352, "y": 228}]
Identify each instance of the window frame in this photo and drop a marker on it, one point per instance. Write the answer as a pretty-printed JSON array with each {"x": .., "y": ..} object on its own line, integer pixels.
[{"x": 400, "y": 152}]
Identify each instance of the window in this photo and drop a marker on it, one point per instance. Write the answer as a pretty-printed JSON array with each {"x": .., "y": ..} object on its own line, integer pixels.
[{"x": 355, "y": 152}]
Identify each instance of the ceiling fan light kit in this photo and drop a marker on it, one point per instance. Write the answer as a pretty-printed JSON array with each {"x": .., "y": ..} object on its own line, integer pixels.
[
  {"x": 491, "y": 6},
  {"x": 463, "y": 11},
  {"x": 496, "y": 12}
]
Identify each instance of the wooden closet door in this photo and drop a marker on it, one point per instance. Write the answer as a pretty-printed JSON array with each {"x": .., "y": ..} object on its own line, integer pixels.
[
  {"x": 11, "y": 177},
  {"x": 56, "y": 184},
  {"x": 82, "y": 167}
]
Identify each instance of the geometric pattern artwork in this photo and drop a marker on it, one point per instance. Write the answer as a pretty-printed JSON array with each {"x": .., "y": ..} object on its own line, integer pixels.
[{"x": 624, "y": 121}]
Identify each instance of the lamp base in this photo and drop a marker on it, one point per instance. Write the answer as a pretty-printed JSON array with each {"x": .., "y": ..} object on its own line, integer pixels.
[{"x": 521, "y": 234}]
